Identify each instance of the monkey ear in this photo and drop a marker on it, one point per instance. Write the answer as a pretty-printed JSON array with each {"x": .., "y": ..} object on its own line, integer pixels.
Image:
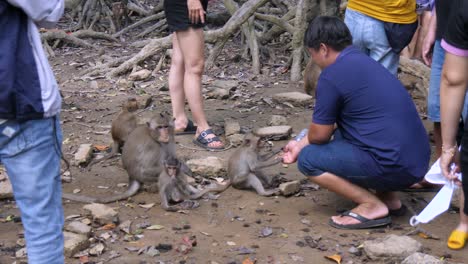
[{"x": 247, "y": 141}]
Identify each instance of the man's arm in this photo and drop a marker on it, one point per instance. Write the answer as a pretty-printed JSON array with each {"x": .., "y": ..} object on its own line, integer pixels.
[
  {"x": 320, "y": 134},
  {"x": 41, "y": 11}
]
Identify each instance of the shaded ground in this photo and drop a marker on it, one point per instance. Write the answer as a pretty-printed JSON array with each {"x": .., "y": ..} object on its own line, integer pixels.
[{"x": 237, "y": 216}]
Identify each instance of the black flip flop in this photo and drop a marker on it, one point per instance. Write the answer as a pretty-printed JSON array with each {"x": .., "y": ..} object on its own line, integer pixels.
[
  {"x": 203, "y": 142},
  {"x": 365, "y": 222},
  {"x": 190, "y": 129}
]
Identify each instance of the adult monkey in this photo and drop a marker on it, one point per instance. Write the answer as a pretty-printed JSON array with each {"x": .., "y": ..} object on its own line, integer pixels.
[{"x": 143, "y": 156}]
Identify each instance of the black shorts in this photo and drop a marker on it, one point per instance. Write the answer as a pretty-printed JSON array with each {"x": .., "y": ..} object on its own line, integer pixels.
[
  {"x": 177, "y": 14},
  {"x": 464, "y": 165},
  {"x": 457, "y": 27}
]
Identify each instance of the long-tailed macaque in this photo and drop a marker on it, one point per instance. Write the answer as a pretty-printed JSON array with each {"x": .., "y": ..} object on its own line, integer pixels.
[
  {"x": 122, "y": 126},
  {"x": 311, "y": 76},
  {"x": 245, "y": 164},
  {"x": 173, "y": 185},
  {"x": 143, "y": 156}
]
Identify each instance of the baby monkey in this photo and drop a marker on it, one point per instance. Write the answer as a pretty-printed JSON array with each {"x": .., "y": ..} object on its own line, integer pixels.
[
  {"x": 244, "y": 166},
  {"x": 173, "y": 185}
]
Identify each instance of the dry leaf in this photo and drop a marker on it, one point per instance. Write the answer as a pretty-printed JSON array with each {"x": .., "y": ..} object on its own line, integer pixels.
[
  {"x": 336, "y": 258},
  {"x": 146, "y": 206},
  {"x": 248, "y": 261},
  {"x": 108, "y": 227},
  {"x": 421, "y": 234},
  {"x": 84, "y": 259},
  {"x": 101, "y": 147},
  {"x": 155, "y": 227}
]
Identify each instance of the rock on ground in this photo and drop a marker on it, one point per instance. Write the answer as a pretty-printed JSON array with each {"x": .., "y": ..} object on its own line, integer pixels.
[
  {"x": 277, "y": 120},
  {"x": 207, "y": 167},
  {"x": 74, "y": 243},
  {"x": 140, "y": 75},
  {"x": 420, "y": 258},
  {"x": 83, "y": 155},
  {"x": 290, "y": 188},
  {"x": 231, "y": 127},
  {"x": 6, "y": 190},
  {"x": 295, "y": 98},
  {"x": 78, "y": 228},
  {"x": 101, "y": 213},
  {"x": 225, "y": 84},
  {"x": 218, "y": 93},
  {"x": 391, "y": 247},
  {"x": 274, "y": 132}
]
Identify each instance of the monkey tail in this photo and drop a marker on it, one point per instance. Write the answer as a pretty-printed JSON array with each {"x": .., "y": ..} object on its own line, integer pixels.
[
  {"x": 78, "y": 198},
  {"x": 132, "y": 190}
]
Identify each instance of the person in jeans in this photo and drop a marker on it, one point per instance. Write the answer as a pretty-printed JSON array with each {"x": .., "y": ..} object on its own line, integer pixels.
[
  {"x": 380, "y": 142},
  {"x": 381, "y": 29},
  {"x": 30, "y": 134},
  {"x": 453, "y": 88}
]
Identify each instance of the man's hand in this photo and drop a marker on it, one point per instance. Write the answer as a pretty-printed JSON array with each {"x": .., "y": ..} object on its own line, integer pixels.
[
  {"x": 427, "y": 47},
  {"x": 446, "y": 161},
  {"x": 292, "y": 149},
  {"x": 195, "y": 11}
]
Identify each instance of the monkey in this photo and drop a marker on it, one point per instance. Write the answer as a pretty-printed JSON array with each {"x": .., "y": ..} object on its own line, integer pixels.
[
  {"x": 122, "y": 126},
  {"x": 143, "y": 156},
  {"x": 120, "y": 14},
  {"x": 245, "y": 164},
  {"x": 173, "y": 185},
  {"x": 311, "y": 75}
]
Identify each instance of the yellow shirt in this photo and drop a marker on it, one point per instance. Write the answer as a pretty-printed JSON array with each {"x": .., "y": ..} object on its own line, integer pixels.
[{"x": 396, "y": 11}]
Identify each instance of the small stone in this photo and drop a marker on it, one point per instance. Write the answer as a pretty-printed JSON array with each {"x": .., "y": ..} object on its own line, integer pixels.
[
  {"x": 101, "y": 213},
  {"x": 6, "y": 190},
  {"x": 231, "y": 127},
  {"x": 226, "y": 84},
  {"x": 124, "y": 84},
  {"x": 152, "y": 252},
  {"x": 235, "y": 140},
  {"x": 295, "y": 98},
  {"x": 97, "y": 250},
  {"x": 355, "y": 251},
  {"x": 83, "y": 155},
  {"x": 277, "y": 120},
  {"x": 274, "y": 132},
  {"x": 420, "y": 258},
  {"x": 207, "y": 167},
  {"x": 290, "y": 188},
  {"x": 391, "y": 247},
  {"x": 93, "y": 85},
  {"x": 78, "y": 228},
  {"x": 145, "y": 101},
  {"x": 140, "y": 75},
  {"x": 21, "y": 253},
  {"x": 218, "y": 93},
  {"x": 126, "y": 226},
  {"x": 74, "y": 243}
]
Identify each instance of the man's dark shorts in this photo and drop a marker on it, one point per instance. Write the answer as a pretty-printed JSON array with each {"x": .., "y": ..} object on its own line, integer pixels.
[{"x": 351, "y": 163}]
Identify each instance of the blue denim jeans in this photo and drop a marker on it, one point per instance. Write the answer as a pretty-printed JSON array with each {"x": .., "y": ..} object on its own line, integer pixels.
[
  {"x": 351, "y": 163},
  {"x": 369, "y": 35},
  {"x": 30, "y": 151},
  {"x": 433, "y": 99}
]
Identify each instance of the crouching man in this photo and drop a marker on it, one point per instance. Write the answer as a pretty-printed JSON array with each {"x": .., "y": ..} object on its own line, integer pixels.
[{"x": 380, "y": 145}]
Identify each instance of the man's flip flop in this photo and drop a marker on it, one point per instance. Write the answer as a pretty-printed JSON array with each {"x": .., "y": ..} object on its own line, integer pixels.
[
  {"x": 190, "y": 129},
  {"x": 364, "y": 222},
  {"x": 203, "y": 142},
  {"x": 457, "y": 239}
]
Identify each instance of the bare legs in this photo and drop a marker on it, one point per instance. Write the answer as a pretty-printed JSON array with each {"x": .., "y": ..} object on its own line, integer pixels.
[
  {"x": 370, "y": 205},
  {"x": 185, "y": 75}
]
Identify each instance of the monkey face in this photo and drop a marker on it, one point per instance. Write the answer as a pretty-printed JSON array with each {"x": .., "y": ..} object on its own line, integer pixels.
[{"x": 131, "y": 105}]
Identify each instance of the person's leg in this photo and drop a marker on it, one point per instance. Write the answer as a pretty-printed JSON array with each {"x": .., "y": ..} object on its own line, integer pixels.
[
  {"x": 356, "y": 22},
  {"x": 191, "y": 44},
  {"x": 348, "y": 171},
  {"x": 176, "y": 86},
  {"x": 30, "y": 152}
]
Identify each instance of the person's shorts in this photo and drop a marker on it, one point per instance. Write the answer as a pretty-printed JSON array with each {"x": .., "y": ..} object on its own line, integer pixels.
[
  {"x": 351, "y": 163},
  {"x": 177, "y": 15}
]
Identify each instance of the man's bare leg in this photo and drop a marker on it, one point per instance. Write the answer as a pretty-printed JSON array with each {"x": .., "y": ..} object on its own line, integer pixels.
[
  {"x": 369, "y": 205},
  {"x": 191, "y": 43},
  {"x": 176, "y": 86}
]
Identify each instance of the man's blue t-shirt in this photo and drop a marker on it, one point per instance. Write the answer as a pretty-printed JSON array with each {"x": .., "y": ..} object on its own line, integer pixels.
[{"x": 373, "y": 112}]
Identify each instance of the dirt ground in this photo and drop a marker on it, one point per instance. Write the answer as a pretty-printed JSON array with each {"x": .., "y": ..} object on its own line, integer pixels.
[{"x": 226, "y": 228}]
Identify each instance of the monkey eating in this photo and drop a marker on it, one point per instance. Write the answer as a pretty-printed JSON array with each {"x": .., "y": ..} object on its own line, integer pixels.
[
  {"x": 311, "y": 76},
  {"x": 244, "y": 167},
  {"x": 122, "y": 126},
  {"x": 173, "y": 186},
  {"x": 143, "y": 156}
]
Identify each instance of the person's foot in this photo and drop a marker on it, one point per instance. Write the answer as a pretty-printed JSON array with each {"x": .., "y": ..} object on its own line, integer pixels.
[
  {"x": 370, "y": 211},
  {"x": 211, "y": 140},
  {"x": 390, "y": 199},
  {"x": 424, "y": 185}
]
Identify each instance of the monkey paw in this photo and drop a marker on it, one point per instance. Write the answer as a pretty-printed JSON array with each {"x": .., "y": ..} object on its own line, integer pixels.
[{"x": 189, "y": 204}]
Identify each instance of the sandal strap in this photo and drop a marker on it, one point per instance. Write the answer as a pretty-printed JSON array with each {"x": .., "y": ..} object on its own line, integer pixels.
[
  {"x": 358, "y": 217},
  {"x": 202, "y": 137}
]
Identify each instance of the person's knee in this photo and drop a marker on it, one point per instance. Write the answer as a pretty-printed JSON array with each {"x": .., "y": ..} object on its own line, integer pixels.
[
  {"x": 306, "y": 166},
  {"x": 195, "y": 67}
]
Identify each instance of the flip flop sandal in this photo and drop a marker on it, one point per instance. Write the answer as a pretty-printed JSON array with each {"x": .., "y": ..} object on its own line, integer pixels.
[
  {"x": 365, "y": 223},
  {"x": 190, "y": 129},
  {"x": 203, "y": 142},
  {"x": 457, "y": 239}
]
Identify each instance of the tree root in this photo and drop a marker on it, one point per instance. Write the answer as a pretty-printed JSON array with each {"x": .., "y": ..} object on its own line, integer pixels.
[
  {"x": 139, "y": 23},
  {"x": 63, "y": 36}
]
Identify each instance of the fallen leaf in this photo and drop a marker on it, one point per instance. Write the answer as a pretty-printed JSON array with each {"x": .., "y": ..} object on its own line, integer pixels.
[
  {"x": 248, "y": 261},
  {"x": 84, "y": 259},
  {"x": 336, "y": 258},
  {"x": 146, "y": 206},
  {"x": 155, "y": 227},
  {"x": 283, "y": 235},
  {"x": 231, "y": 243},
  {"x": 108, "y": 226},
  {"x": 101, "y": 147},
  {"x": 422, "y": 235}
]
